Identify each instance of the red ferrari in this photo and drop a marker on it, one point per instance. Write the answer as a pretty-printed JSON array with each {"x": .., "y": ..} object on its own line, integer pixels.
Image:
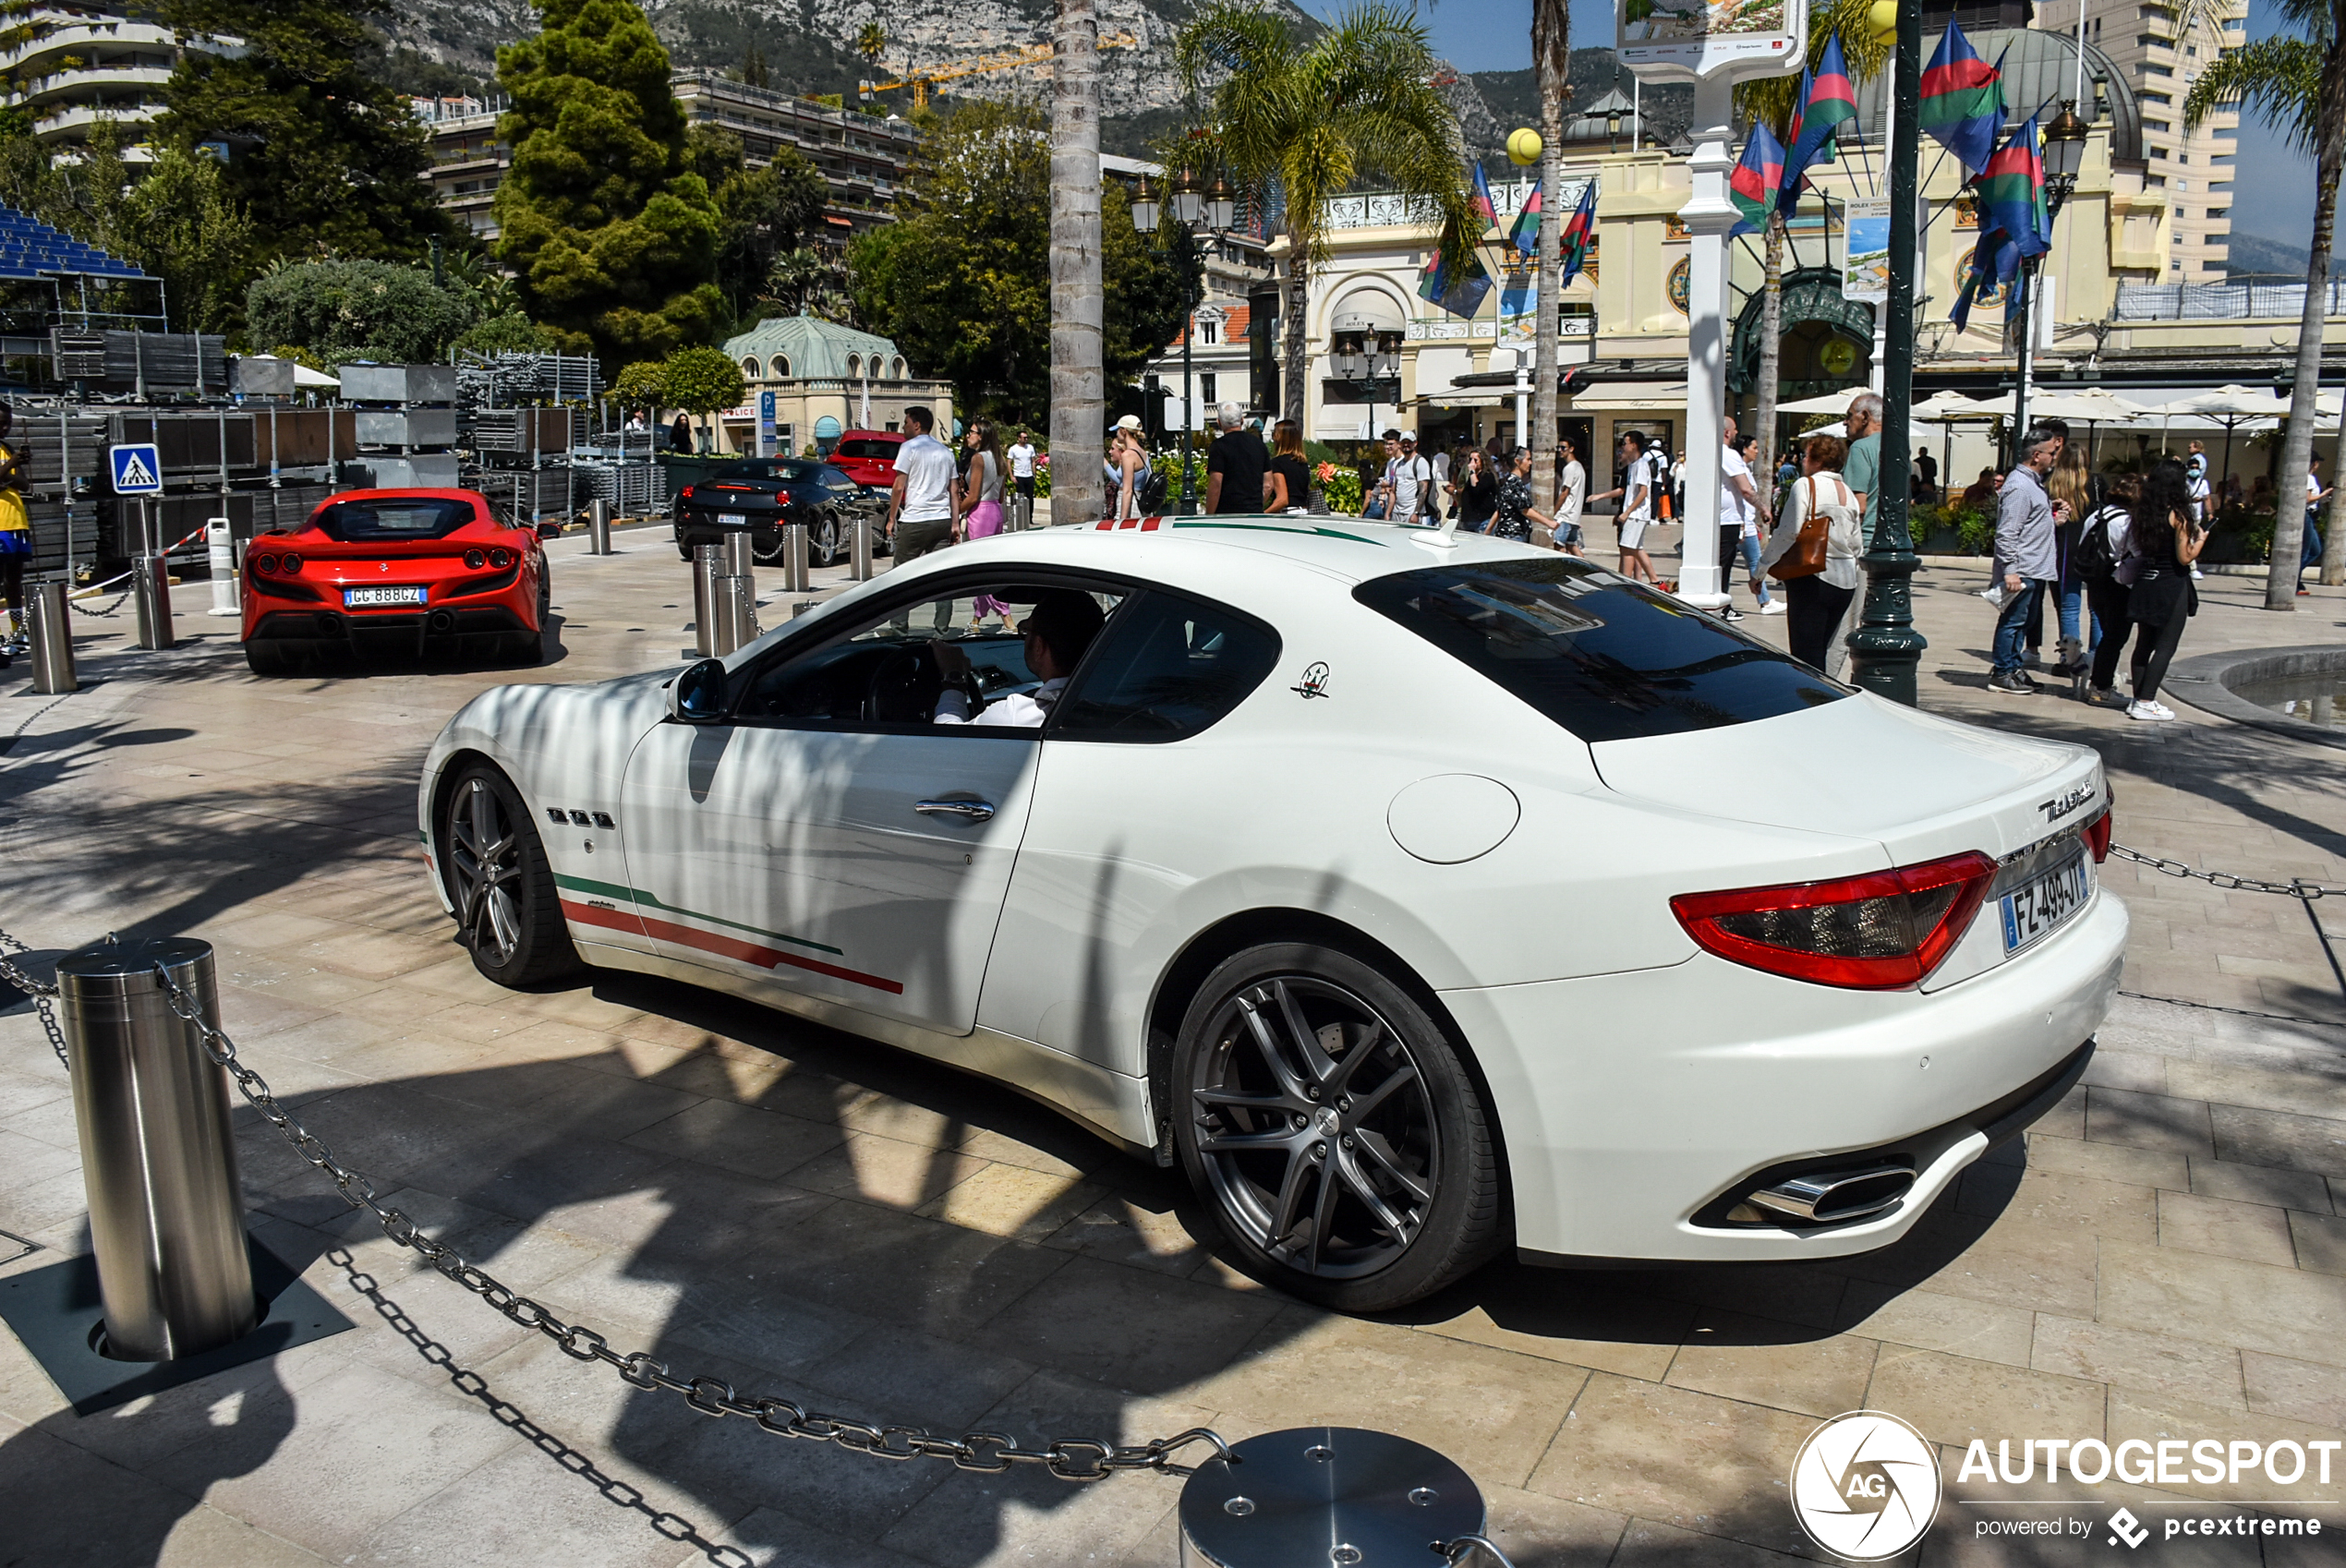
[{"x": 413, "y": 571}]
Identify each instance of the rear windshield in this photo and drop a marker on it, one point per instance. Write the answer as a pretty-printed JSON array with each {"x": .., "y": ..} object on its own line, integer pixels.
[
  {"x": 412, "y": 518},
  {"x": 1606, "y": 657},
  {"x": 790, "y": 470},
  {"x": 867, "y": 448}
]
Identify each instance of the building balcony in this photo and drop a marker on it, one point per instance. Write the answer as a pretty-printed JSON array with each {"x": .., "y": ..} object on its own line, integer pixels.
[
  {"x": 72, "y": 123},
  {"x": 80, "y": 38},
  {"x": 96, "y": 82}
]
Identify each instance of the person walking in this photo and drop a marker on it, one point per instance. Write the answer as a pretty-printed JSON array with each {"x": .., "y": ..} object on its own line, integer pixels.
[
  {"x": 1438, "y": 492},
  {"x": 1818, "y": 600},
  {"x": 1022, "y": 456},
  {"x": 1289, "y": 476},
  {"x": 1474, "y": 490},
  {"x": 1513, "y": 514},
  {"x": 1738, "y": 498},
  {"x": 1235, "y": 465},
  {"x": 2165, "y": 542},
  {"x": 2309, "y": 549},
  {"x": 1127, "y": 468},
  {"x": 2025, "y": 560},
  {"x": 2102, "y": 548},
  {"x": 680, "y": 434},
  {"x": 1862, "y": 472},
  {"x": 15, "y": 542},
  {"x": 1640, "y": 481},
  {"x": 1379, "y": 504},
  {"x": 1572, "y": 499},
  {"x": 1412, "y": 484},
  {"x": 924, "y": 505},
  {"x": 984, "y": 483},
  {"x": 1748, "y": 545},
  {"x": 2072, "y": 486}
]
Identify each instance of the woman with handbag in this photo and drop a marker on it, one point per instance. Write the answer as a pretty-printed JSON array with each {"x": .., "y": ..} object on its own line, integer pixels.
[{"x": 1814, "y": 549}]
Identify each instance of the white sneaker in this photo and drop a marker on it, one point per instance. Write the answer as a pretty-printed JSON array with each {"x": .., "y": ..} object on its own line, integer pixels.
[
  {"x": 2162, "y": 710},
  {"x": 1773, "y": 607},
  {"x": 2151, "y": 711}
]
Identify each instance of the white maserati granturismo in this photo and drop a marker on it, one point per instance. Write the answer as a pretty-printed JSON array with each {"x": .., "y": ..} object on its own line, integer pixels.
[{"x": 1420, "y": 896}]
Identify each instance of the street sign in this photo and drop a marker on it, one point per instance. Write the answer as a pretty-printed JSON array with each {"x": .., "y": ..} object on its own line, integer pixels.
[{"x": 138, "y": 469}]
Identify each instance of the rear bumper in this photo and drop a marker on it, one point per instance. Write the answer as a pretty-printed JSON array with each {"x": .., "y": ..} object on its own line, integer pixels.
[
  {"x": 1630, "y": 1102},
  {"x": 328, "y": 628}
]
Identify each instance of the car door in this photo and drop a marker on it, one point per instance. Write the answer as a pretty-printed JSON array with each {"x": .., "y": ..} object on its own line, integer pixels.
[{"x": 834, "y": 843}]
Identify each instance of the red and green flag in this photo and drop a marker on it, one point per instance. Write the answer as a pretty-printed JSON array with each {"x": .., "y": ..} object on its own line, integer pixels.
[
  {"x": 1578, "y": 235},
  {"x": 1828, "y": 102},
  {"x": 1962, "y": 100},
  {"x": 1482, "y": 202},
  {"x": 1524, "y": 235},
  {"x": 2014, "y": 221},
  {"x": 1753, "y": 186},
  {"x": 1458, "y": 290}
]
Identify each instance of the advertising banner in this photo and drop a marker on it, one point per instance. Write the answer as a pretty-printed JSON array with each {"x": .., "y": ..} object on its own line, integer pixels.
[
  {"x": 1865, "y": 261},
  {"x": 1701, "y": 37}
]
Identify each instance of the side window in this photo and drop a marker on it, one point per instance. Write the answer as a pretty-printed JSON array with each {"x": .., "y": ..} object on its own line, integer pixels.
[{"x": 1167, "y": 668}]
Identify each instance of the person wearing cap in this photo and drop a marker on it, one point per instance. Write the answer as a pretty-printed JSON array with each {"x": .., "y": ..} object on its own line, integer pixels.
[
  {"x": 1128, "y": 467},
  {"x": 1413, "y": 484},
  {"x": 1057, "y": 630},
  {"x": 1234, "y": 464}
]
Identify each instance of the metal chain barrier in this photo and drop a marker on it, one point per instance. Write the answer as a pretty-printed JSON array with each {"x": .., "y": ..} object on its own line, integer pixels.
[
  {"x": 2296, "y": 888},
  {"x": 43, "y": 995},
  {"x": 115, "y": 608},
  {"x": 1070, "y": 1459}
]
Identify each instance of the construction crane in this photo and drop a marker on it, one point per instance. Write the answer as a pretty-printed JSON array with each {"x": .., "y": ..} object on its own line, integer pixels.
[{"x": 921, "y": 81}]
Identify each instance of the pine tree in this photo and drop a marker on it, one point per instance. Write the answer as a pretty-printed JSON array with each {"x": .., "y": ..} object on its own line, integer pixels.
[{"x": 613, "y": 235}]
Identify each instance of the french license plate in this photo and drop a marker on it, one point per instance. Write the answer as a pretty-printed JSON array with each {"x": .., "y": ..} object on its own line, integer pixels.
[
  {"x": 733, "y": 520},
  {"x": 354, "y": 598},
  {"x": 2033, "y": 913}
]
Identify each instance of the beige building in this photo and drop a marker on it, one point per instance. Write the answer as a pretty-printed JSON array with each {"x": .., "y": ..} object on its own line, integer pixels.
[
  {"x": 810, "y": 381},
  {"x": 2161, "y": 49},
  {"x": 76, "y": 63}
]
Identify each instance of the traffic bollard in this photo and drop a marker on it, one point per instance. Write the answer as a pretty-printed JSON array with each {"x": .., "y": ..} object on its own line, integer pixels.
[
  {"x": 1280, "y": 1499},
  {"x": 150, "y": 587},
  {"x": 708, "y": 567},
  {"x": 794, "y": 558},
  {"x": 737, "y": 613},
  {"x": 599, "y": 526},
  {"x": 219, "y": 544},
  {"x": 740, "y": 560},
  {"x": 52, "y": 634},
  {"x": 859, "y": 557},
  {"x": 158, "y": 1157}
]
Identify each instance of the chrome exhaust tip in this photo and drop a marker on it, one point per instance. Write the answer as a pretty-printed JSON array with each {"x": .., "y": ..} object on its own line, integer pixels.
[{"x": 1828, "y": 1198}]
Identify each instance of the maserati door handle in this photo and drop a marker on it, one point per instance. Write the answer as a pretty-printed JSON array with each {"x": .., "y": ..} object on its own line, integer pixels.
[{"x": 967, "y": 811}]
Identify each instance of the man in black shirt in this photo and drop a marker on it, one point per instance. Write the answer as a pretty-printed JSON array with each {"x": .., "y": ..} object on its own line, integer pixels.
[{"x": 1234, "y": 464}]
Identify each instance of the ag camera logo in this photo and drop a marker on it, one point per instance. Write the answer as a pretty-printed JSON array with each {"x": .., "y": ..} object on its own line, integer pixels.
[{"x": 1865, "y": 1486}]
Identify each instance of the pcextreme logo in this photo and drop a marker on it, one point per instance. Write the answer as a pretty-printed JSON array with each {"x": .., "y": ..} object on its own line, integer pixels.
[{"x": 1865, "y": 1486}]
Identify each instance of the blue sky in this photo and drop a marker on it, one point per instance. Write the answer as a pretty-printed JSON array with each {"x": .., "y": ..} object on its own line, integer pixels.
[{"x": 2273, "y": 187}]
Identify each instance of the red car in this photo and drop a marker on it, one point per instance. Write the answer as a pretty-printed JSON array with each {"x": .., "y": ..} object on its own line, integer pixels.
[
  {"x": 413, "y": 571},
  {"x": 868, "y": 457}
]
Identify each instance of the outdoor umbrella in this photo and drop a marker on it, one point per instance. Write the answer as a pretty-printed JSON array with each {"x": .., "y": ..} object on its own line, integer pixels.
[
  {"x": 2231, "y": 406},
  {"x": 2093, "y": 408}
]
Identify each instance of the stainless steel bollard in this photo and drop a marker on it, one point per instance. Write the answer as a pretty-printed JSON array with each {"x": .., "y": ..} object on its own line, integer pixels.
[
  {"x": 220, "y": 550},
  {"x": 158, "y": 1159},
  {"x": 740, "y": 560},
  {"x": 150, "y": 587},
  {"x": 52, "y": 634},
  {"x": 599, "y": 526},
  {"x": 794, "y": 558},
  {"x": 708, "y": 569},
  {"x": 859, "y": 549},
  {"x": 737, "y": 614}
]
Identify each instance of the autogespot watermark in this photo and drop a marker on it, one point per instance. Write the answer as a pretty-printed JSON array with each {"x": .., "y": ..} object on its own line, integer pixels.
[{"x": 1866, "y": 1486}]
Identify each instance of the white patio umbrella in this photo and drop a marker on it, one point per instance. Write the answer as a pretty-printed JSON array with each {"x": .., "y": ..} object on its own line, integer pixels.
[
  {"x": 2093, "y": 406},
  {"x": 1947, "y": 405},
  {"x": 1827, "y": 403},
  {"x": 2231, "y": 406},
  {"x": 305, "y": 377}
]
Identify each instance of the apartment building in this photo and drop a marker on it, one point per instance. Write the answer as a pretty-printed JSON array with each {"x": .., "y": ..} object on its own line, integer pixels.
[
  {"x": 2162, "y": 46},
  {"x": 75, "y": 65},
  {"x": 862, "y": 157}
]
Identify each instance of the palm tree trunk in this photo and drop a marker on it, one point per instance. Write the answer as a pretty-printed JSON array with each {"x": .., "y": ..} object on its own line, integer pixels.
[
  {"x": 1293, "y": 303},
  {"x": 1551, "y": 66},
  {"x": 2297, "y": 448},
  {"x": 1770, "y": 368},
  {"x": 1078, "y": 305},
  {"x": 2329, "y": 161}
]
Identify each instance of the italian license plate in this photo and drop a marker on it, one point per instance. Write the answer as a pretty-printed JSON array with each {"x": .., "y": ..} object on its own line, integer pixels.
[
  {"x": 2036, "y": 911},
  {"x": 355, "y": 598},
  {"x": 733, "y": 520}
]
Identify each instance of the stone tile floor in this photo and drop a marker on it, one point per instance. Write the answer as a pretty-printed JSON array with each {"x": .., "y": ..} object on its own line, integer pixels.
[{"x": 809, "y": 1215}]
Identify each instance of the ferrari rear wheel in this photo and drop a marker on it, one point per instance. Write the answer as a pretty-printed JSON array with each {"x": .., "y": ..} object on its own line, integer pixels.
[
  {"x": 508, "y": 915},
  {"x": 1334, "y": 1130}
]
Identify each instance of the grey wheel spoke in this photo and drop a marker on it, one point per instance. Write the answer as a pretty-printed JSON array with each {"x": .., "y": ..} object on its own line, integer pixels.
[
  {"x": 1244, "y": 1143},
  {"x": 1266, "y": 1043},
  {"x": 1366, "y": 1106},
  {"x": 1247, "y": 1102},
  {"x": 1307, "y": 1044},
  {"x": 1323, "y": 1215},
  {"x": 1350, "y": 1172},
  {"x": 1381, "y": 1152},
  {"x": 1341, "y": 1078},
  {"x": 1283, "y": 1216}
]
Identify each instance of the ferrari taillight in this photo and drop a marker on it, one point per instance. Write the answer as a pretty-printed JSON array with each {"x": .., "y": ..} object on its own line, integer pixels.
[
  {"x": 289, "y": 564},
  {"x": 1879, "y": 932},
  {"x": 2098, "y": 835},
  {"x": 500, "y": 558},
  {"x": 476, "y": 558},
  {"x": 264, "y": 563}
]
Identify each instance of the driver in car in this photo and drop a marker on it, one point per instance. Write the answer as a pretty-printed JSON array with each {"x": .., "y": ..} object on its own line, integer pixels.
[{"x": 1058, "y": 629}]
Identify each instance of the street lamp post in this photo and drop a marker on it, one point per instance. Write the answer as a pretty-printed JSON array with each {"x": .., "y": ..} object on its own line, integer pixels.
[
  {"x": 1362, "y": 356},
  {"x": 1219, "y": 212}
]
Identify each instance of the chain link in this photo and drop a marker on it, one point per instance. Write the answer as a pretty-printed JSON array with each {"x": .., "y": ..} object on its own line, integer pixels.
[
  {"x": 2296, "y": 888},
  {"x": 44, "y": 994},
  {"x": 113, "y": 610},
  {"x": 1068, "y": 1459}
]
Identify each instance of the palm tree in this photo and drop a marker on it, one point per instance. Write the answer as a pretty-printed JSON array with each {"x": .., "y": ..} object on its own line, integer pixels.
[
  {"x": 2298, "y": 86},
  {"x": 1775, "y": 103},
  {"x": 1308, "y": 120},
  {"x": 1078, "y": 306},
  {"x": 870, "y": 42},
  {"x": 1552, "y": 70}
]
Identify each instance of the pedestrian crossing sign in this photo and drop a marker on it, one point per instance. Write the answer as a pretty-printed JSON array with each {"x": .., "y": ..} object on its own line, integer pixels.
[{"x": 138, "y": 469}]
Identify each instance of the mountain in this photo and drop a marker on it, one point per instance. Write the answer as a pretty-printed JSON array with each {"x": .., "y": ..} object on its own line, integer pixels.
[
  {"x": 2273, "y": 260},
  {"x": 1506, "y": 99}
]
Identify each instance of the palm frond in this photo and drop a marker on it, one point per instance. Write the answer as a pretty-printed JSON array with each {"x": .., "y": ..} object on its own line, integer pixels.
[{"x": 2279, "y": 80}]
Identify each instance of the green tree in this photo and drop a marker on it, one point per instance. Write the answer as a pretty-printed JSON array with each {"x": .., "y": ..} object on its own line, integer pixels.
[
  {"x": 1356, "y": 100},
  {"x": 324, "y": 160},
  {"x": 700, "y": 380},
  {"x": 356, "y": 309},
  {"x": 963, "y": 280},
  {"x": 764, "y": 212},
  {"x": 644, "y": 384},
  {"x": 613, "y": 239},
  {"x": 512, "y": 333},
  {"x": 2297, "y": 85},
  {"x": 805, "y": 281}
]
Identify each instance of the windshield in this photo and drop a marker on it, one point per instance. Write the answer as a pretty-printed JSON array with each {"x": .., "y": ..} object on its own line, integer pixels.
[
  {"x": 1604, "y": 657},
  {"x": 414, "y": 517},
  {"x": 790, "y": 470},
  {"x": 868, "y": 448}
]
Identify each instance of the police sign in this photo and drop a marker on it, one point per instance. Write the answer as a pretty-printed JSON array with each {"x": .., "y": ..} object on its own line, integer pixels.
[{"x": 138, "y": 469}]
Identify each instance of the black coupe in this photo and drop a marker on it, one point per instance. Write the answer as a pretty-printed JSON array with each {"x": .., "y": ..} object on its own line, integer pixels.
[{"x": 762, "y": 494}]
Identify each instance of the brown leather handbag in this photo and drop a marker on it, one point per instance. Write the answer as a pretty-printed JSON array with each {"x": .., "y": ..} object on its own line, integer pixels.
[{"x": 1807, "y": 556}]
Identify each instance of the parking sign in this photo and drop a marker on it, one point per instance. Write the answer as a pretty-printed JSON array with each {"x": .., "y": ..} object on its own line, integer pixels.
[{"x": 138, "y": 469}]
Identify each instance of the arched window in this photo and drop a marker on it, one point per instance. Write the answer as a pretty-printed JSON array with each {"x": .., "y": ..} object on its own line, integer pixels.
[
  {"x": 899, "y": 369},
  {"x": 749, "y": 368},
  {"x": 854, "y": 365},
  {"x": 779, "y": 365}
]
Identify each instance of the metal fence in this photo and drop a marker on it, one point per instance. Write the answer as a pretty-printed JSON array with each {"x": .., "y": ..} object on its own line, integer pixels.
[{"x": 2217, "y": 302}]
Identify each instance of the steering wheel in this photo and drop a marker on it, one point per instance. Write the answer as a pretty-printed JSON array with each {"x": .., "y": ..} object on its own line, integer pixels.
[{"x": 904, "y": 687}]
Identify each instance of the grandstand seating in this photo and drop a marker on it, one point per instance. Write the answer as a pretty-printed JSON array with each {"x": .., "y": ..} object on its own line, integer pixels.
[{"x": 32, "y": 250}]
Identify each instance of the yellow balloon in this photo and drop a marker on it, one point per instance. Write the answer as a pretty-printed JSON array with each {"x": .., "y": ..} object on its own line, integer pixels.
[
  {"x": 1884, "y": 18},
  {"x": 1524, "y": 147}
]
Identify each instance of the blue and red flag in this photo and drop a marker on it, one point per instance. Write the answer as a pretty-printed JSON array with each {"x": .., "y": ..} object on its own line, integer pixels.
[
  {"x": 1962, "y": 100},
  {"x": 2014, "y": 221},
  {"x": 1482, "y": 202},
  {"x": 1524, "y": 235},
  {"x": 1578, "y": 237},
  {"x": 1753, "y": 186},
  {"x": 1458, "y": 290},
  {"x": 1828, "y": 102}
]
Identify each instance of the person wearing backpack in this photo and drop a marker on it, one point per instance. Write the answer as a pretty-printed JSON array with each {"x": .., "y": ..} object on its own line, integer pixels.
[{"x": 2101, "y": 545}]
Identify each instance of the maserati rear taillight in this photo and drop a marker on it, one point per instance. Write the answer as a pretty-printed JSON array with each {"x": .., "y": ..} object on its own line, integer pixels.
[
  {"x": 1880, "y": 932},
  {"x": 2098, "y": 835}
]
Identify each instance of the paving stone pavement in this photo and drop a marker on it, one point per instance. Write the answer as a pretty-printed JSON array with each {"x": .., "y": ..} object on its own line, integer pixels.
[{"x": 809, "y": 1215}]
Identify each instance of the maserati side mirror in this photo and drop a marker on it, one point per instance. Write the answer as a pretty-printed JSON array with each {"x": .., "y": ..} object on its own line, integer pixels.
[{"x": 697, "y": 696}]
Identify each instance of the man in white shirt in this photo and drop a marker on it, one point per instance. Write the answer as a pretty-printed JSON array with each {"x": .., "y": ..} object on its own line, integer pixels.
[
  {"x": 1058, "y": 629},
  {"x": 925, "y": 506},
  {"x": 1738, "y": 497},
  {"x": 1412, "y": 482},
  {"x": 1636, "y": 494},
  {"x": 1022, "y": 456},
  {"x": 1572, "y": 495}
]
